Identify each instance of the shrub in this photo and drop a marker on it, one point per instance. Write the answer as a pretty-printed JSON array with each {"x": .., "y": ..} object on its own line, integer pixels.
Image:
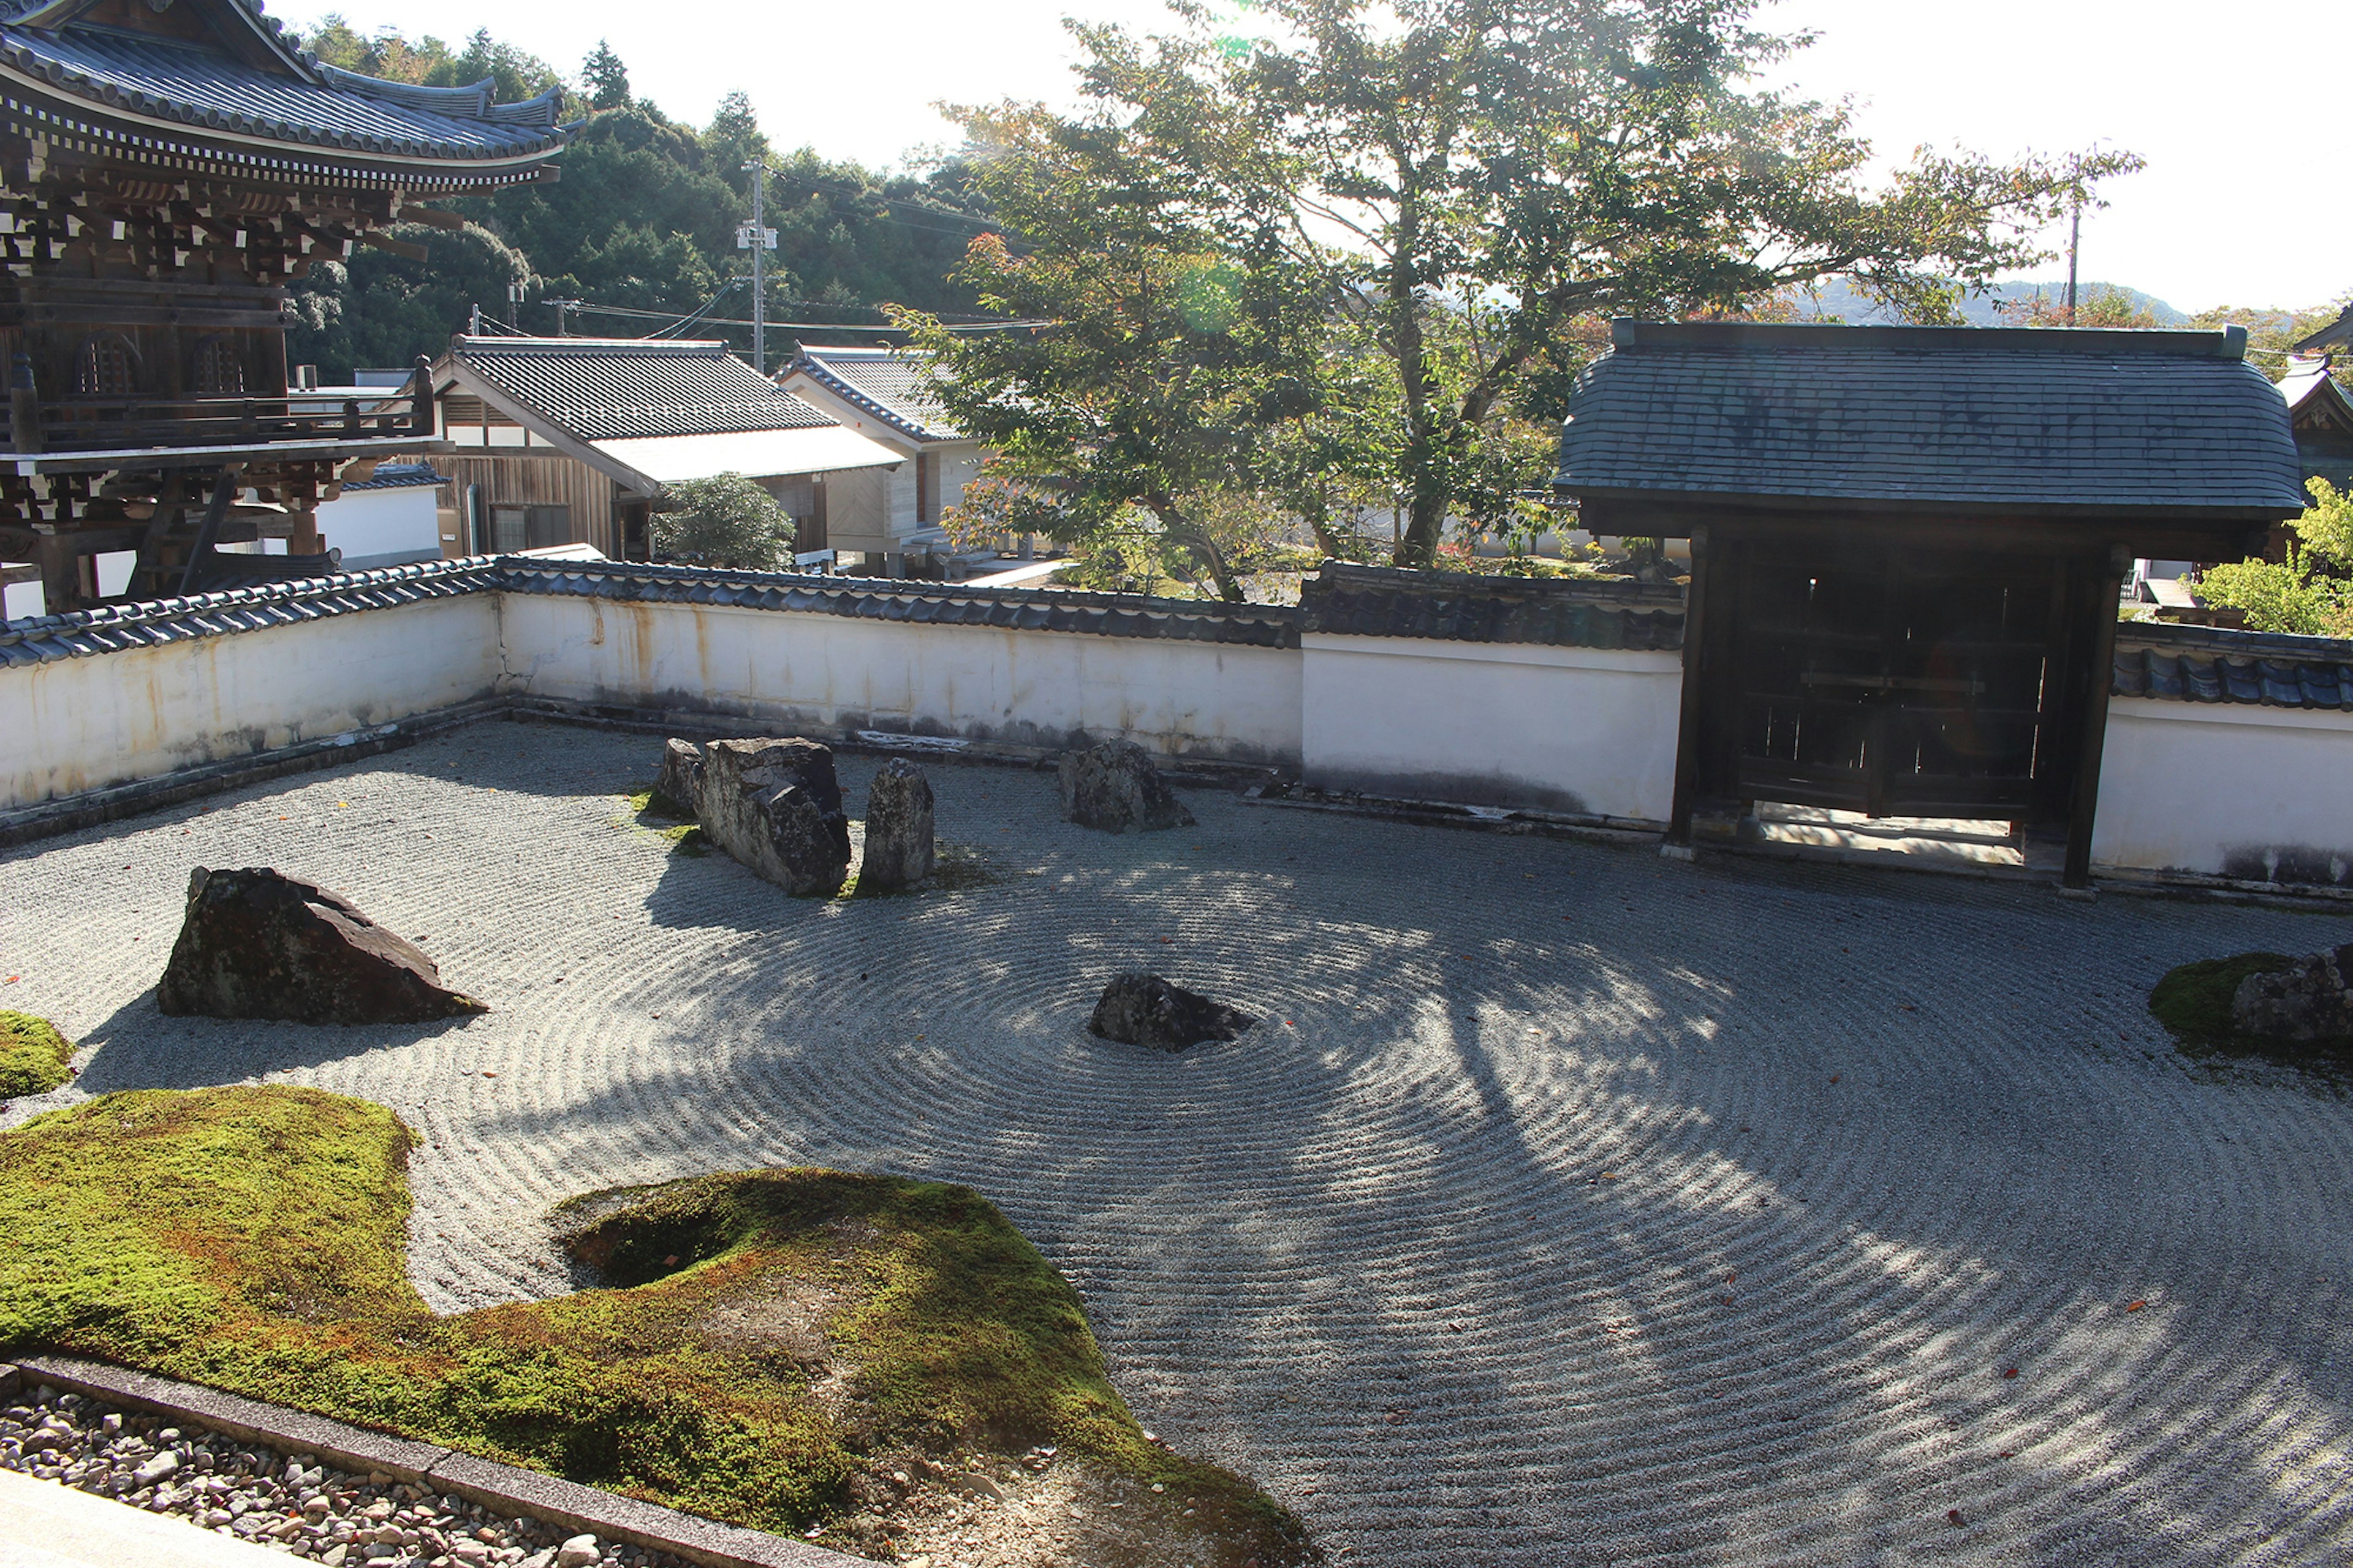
[{"x": 726, "y": 521}]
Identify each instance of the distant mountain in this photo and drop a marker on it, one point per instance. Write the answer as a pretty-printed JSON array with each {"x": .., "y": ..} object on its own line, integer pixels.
[{"x": 1838, "y": 300}]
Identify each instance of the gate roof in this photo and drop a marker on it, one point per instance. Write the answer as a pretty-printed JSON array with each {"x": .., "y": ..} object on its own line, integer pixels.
[{"x": 1983, "y": 420}]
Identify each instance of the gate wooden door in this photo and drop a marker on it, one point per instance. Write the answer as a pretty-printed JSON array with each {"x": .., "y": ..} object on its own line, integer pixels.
[{"x": 1897, "y": 683}]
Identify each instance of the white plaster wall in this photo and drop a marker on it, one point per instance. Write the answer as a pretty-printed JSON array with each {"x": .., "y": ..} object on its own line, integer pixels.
[
  {"x": 383, "y": 527},
  {"x": 831, "y": 673},
  {"x": 1576, "y": 729},
  {"x": 84, "y": 723},
  {"x": 900, "y": 491},
  {"x": 2264, "y": 793}
]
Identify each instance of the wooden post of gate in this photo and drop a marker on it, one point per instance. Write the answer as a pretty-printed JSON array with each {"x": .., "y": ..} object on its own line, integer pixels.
[
  {"x": 2107, "y": 576},
  {"x": 1687, "y": 727}
]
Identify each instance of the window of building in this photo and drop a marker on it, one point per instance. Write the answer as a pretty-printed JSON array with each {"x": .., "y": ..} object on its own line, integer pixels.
[
  {"x": 220, "y": 368},
  {"x": 108, "y": 366},
  {"x": 514, "y": 528}
]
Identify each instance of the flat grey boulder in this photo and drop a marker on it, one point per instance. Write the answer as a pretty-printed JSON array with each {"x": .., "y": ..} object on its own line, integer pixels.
[
  {"x": 678, "y": 785},
  {"x": 776, "y": 806},
  {"x": 2309, "y": 1003},
  {"x": 257, "y": 943},
  {"x": 899, "y": 829},
  {"x": 1116, "y": 787},
  {"x": 1140, "y": 1009}
]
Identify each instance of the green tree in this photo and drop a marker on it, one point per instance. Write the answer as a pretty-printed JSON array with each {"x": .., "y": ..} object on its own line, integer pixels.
[
  {"x": 2310, "y": 592},
  {"x": 1467, "y": 179},
  {"x": 727, "y": 522},
  {"x": 381, "y": 311},
  {"x": 606, "y": 77}
]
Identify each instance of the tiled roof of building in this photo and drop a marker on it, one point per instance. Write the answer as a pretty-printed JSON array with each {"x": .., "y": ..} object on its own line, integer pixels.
[
  {"x": 1373, "y": 601},
  {"x": 2210, "y": 664},
  {"x": 886, "y": 383},
  {"x": 603, "y": 389},
  {"x": 308, "y": 104},
  {"x": 2322, "y": 415},
  {"x": 2024, "y": 420},
  {"x": 399, "y": 477}
]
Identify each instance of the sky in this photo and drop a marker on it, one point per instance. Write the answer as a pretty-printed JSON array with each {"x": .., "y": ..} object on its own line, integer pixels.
[{"x": 2228, "y": 211}]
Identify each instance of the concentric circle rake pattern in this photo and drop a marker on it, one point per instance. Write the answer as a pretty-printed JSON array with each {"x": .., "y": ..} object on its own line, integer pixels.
[{"x": 1568, "y": 1205}]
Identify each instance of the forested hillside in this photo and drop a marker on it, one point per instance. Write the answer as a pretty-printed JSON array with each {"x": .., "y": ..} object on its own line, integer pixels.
[{"x": 643, "y": 220}]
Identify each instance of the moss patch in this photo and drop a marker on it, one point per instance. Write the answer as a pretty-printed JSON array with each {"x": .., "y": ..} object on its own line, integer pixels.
[
  {"x": 654, "y": 812},
  {"x": 34, "y": 1055},
  {"x": 955, "y": 868},
  {"x": 2193, "y": 1001},
  {"x": 765, "y": 1338}
]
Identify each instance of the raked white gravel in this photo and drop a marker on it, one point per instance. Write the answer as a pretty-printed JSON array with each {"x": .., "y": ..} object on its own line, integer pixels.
[{"x": 1570, "y": 1206}]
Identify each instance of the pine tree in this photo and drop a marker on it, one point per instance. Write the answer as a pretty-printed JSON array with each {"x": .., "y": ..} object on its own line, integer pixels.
[{"x": 607, "y": 78}]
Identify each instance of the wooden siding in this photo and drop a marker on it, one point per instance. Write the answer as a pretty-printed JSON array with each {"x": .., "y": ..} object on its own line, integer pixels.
[{"x": 538, "y": 478}]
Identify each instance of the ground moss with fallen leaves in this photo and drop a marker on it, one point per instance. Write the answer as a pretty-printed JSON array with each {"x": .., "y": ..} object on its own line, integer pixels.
[
  {"x": 761, "y": 1339},
  {"x": 34, "y": 1056}
]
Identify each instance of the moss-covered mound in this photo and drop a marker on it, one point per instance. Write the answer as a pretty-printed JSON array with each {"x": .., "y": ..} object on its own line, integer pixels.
[
  {"x": 33, "y": 1056},
  {"x": 2193, "y": 1001},
  {"x": 766, "y": 1337}
]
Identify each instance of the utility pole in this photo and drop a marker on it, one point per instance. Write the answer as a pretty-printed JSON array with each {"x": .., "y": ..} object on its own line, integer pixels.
[
  {"x": 759, "y": 239},
  {"x": 561, "y": 306},
  {"x": 2075, "y": 236}
]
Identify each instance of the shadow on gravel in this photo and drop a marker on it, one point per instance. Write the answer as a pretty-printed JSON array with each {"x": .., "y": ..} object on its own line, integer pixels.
[{"x": 140, "y": 1047}]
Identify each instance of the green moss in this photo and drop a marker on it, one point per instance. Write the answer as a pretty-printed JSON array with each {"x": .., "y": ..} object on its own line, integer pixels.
[
  {"x": 955, "y": 868},
  {"x": 253, "y": 1238},
  {"x": 656, "y": 812},
  {"x": 2193, "y": 1001},
  {"x": 34, "y": 1056}
]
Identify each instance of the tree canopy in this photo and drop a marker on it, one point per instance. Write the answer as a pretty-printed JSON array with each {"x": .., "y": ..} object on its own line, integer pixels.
[
  {"x": 1445, "y": 194},
  {"x": 644, "y": 219},
  {"x": 728, "y": 522}
]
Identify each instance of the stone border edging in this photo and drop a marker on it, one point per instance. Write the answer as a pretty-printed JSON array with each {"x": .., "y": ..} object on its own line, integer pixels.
[{"x": 506, "y": 1487}]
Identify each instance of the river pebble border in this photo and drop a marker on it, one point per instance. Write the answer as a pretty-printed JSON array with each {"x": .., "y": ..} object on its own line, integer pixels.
[{"x": 289, "y": 1504}]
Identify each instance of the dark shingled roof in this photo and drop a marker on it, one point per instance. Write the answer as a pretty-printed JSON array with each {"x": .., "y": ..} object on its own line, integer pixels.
[
  {"x": 604, "y": 389},
  {"x": 885, "y": 382},
  {"x": 2210, "y": 664},
  {"x": 1454, "y": 606},
  {"x": 2015, "y": 419},
  {"x": 399, "y": 477},
  {"x": 308, "y": 104}
]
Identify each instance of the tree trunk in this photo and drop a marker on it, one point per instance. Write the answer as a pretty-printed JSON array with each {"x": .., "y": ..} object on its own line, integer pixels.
[{"x": 1182, "y": 530}]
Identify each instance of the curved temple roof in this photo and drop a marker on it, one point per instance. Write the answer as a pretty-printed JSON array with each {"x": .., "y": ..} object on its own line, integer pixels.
[{"x": 267, "y": 90}]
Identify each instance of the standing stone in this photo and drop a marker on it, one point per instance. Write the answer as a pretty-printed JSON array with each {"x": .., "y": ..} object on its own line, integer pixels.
[
  {"x": 1140, "y": 1009},
  {"x": 679, "y": 782},
  {"x": 259, "y": 945},
  {"x": 1115, "y": 786},
  {"x": 2309, "y": 1003},
  {"x": 898, "y": 828},
  {"x": 776, "y": 806}
]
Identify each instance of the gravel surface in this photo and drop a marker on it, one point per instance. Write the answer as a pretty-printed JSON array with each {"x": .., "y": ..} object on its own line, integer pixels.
[
  {"x": 1570, "y": 1206},
  {"x": 291, "y": 1503}
]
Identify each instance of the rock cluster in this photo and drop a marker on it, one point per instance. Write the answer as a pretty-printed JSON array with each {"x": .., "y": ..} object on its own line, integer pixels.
[
  {"x": 1116, "y": 787},
  {"x": 1140, "y": 1009},
  {"x": 774, "y": 805},
  {"x": 291, "y": 1503},
  {"x": 899, "y": 829},
  {"x": 257, "y": 944},
  {"x": 2308, "y": 1003}
]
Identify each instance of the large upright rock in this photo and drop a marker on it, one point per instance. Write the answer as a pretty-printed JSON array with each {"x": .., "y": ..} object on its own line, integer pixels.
[
  {"x": 1115, "y": 786},
  {"x": 1142, "y": 1009},
  {"x": 680, "y": 783},
  {"x": 899, "y": 829},
  {"x": 2308, "y": 1003},
  {"x": 259, "y": 945},
  {"x": 776, "y": 806}
]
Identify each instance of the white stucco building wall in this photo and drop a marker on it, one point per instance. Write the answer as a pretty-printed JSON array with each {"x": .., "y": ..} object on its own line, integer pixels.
[
  {"x": 389, "y": 527},
  {"x": 1578, "y": 730},
  {"x": 2228, "y": 790}
]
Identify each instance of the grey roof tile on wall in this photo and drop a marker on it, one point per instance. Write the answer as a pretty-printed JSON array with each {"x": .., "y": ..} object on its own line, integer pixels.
[
  {"x": 2022, "y": 419},
  {"x": 1372, "y": 601},
  {"x": 2210, "y": 664},
  {"x": 885, "y": 382},
  {"x": 165, "y": 78},
  {"x": 604, "y": 389}
]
